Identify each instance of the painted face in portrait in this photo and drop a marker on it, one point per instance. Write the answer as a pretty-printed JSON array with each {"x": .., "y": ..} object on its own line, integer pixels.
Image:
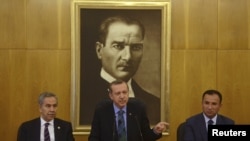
[
  {"x": 121, "y": 54},
  {"x": 48, "y": 108}
]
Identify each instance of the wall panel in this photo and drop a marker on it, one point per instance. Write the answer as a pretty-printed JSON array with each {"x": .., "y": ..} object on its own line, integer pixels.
[
  {"x": 233, "y": 24},
  {"x": 178, "y": 24},
  {"x": 12, "y": 24},
  {"x": 233, "y": 81},
  {"x": 42, "y": 24},
  {"x": 201, "y": 24}
]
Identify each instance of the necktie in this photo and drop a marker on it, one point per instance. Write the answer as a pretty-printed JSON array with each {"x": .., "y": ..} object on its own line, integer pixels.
[
  {"x": 121, "y": 127},
  {"x": 210, "y": 122},
  {"x": 46, "y": 132}
]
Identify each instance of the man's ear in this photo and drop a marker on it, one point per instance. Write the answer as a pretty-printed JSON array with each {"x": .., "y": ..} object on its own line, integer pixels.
[
  {"x": 110, "y": 96},
  {"x": 98, "y": 48}
]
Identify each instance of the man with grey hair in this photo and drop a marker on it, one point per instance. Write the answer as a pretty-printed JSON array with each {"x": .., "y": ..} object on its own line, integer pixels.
[{"x": 46, "y": 127}]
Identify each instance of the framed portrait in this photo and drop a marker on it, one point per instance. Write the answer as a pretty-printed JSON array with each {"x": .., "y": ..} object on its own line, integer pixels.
[{"x": 90, "y": 79}]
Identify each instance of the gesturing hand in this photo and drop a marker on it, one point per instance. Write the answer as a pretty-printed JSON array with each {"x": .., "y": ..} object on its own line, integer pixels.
[{"x": 160, "y": 127}]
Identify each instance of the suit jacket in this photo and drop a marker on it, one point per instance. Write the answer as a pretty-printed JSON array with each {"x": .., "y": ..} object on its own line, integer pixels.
[
  {"x": 195, "y": 128},
  {"x": 30, "y": 130},
  {"x": 104, "y": 124},
  {"x": 95, "y": 90}
]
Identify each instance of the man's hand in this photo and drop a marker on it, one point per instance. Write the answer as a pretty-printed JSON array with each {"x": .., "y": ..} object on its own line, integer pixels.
[{"x": 160, "y": 127}]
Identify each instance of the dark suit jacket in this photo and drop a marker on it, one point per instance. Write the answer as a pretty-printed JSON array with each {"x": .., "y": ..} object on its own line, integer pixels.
[
  {"x": 95, "y": 90},
  {"x": 30, "y": 130},
  {"x": 104, "y": 125},
  {"x": 195, "y": 128}
]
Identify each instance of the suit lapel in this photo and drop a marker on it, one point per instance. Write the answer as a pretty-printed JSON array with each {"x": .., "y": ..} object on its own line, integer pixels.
[
  {"x": 129, "y": 119},
  {"x": 37, "y": 129},
  {"x": 219, "y": 120},
  {"x": 57, "y": 129},
  {"x": 110, "y": 119},
  {"x": 202, "y": 127},
  {"x": 132, "y": 127}
]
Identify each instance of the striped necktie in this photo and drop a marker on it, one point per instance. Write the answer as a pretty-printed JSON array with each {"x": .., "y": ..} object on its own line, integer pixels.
[
  {"x": 46, "y": 132},
  {"x": 121, "y": 127},
  {"x": 210, "y": 122}
]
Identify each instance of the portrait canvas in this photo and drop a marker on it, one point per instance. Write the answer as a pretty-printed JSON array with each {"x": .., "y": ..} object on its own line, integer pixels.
[{"x": 153, "y": 71}]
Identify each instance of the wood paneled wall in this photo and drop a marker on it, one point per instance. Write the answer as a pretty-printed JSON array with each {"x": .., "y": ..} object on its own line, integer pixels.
[{"x": 209, "y": 49}]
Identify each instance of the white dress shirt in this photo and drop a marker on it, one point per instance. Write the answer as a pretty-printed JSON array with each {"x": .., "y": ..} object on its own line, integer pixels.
[
  {"x": 207, "y": 119},
  {"x": 50, "y": 128}
]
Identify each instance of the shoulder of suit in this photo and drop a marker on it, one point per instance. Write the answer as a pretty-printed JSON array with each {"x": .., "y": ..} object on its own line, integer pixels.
[
  {"x": 136, "y": 102},
  {"x": 31, "y": 122},
  {"x": 194, "y": 117},
  {"x": 225, "y": 118},
  {"x": 59, "y": 120},
  {"x": 104, "y": 103}
]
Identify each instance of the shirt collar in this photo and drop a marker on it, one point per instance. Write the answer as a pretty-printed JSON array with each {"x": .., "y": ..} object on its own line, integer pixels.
[
  {"x": 43, "y": 122},
  {"x": 118, "y": 109},
  {"x": 207, "y": 118}
]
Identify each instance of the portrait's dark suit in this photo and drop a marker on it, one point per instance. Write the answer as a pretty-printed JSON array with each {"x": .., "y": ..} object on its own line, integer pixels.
[
  {"x": 30, "y": 130},
  {"x": 104, "y": 123},
  {"x": 95, "y": 90},
  {"x": 195, "y": 128}
]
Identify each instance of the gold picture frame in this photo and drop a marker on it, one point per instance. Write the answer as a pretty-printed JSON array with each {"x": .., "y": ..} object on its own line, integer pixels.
[{"x": 86, "y": 14}]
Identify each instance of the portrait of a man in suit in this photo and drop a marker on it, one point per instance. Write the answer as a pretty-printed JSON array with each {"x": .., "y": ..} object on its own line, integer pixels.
[{"x": 120, "y": 44}]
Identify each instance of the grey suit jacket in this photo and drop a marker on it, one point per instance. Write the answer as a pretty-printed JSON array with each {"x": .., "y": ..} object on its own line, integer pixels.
[
  {"x": 195, "y": 128},
  {"x": 30, "y": 130}
]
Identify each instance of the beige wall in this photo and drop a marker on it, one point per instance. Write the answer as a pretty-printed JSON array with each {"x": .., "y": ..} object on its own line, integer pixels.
[{"x": 209, "y": 49}]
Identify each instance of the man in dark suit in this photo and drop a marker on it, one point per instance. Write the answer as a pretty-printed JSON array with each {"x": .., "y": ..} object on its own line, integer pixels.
[
  {"x": 196, "y": 125},
  {"x": 34, "y": 130},
  {"x": 105, "y": 124},
  {"x": 120, "y": 50}
]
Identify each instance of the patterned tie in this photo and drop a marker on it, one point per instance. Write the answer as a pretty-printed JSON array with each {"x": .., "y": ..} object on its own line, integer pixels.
[
  {"x": 210, "y": 122},
  {"x": 121, "y": 127},
  {"x": 46, "y": 132}
]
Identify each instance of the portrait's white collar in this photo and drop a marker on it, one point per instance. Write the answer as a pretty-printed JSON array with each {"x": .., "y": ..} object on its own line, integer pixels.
[
  {"x": 106, "y": 76},
  {"x": 110, "y": 78}
]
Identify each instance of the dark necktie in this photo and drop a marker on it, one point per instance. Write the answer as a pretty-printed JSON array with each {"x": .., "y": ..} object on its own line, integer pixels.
[
  {"x": 121, "y": 127},
  {"x": 210, "y": 122},
  {"x": 46, "y": 132}
]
